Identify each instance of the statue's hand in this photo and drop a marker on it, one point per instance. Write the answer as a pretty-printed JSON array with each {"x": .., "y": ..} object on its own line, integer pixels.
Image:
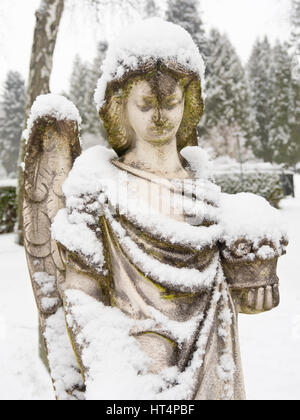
[
  {"x": 252, "y": 274},
  {"x": 257, "y": 300}
]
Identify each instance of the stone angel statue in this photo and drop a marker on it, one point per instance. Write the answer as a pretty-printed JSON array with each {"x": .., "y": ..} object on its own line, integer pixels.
[{"x": 139, "y": 264}]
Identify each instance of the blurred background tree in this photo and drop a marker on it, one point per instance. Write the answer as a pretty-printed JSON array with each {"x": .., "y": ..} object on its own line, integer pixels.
[
  {"x": 227, "y": 106},
  {"x": 152, "y": 9},
  {"x": 83, "y": 82},
  {"x": 295, "y": 21},
  {"x": 275, "y": 102},
  {"x": 186, "y": 14},
  {"x": 259, "y": 73},
  {"x": 12, "y": 103},
  {"x": 281, "y": 85}
]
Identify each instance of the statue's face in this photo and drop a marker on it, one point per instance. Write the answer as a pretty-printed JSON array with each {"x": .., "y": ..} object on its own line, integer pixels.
[{"x": 154, "y": 117}]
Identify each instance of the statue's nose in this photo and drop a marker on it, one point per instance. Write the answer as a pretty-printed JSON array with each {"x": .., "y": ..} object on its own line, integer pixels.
[{"x": 157, "y": 117}]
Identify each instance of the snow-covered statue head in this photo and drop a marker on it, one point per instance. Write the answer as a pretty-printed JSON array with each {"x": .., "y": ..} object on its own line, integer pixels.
[
  {"x": 138, "y": 287},
  {"x": 152, "y": 89}
]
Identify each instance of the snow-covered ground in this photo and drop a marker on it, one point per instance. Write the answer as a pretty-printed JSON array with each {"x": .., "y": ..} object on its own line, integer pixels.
[
  {"x": 270, "y": 342},
  {"x": 23, "y": 375}
]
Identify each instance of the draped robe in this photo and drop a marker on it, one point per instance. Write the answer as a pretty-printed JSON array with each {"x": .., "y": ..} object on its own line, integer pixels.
[{"x": 194, "y": 326}]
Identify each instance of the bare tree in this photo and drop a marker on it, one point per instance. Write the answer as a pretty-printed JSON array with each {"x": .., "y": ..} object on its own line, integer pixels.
[{"x": 48, "y": 18}]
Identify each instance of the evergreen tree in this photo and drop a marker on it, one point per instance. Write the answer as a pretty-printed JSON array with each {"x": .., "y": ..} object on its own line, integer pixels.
[
  {"x": 186, "y": 14},
  {"x": 275, "y": 98},
  {"x": 79, "y": 88},
  {"x": 295, "y": 95},
  {"x": 94, "y": 70},
  {"x": 294, "y": 121},
  {"x": 259, "y": 71},
  {"x": 83, "y": 83},
  {"x": 11, "y": 122},
  {"x": 295, "y": 38},
  {"x": 227, "y": 107},
  {"x": 94, "y": 73},
  {"x": 281, "y": 85},
  {"x": 152, "y": 9},
  {"x": 296, "y": 25}
]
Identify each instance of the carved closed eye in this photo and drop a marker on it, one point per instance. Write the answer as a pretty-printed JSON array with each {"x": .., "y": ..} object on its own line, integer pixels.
[
  {"x": 150, "y": 103},
  {"x": 172, "y": 103},
  {"x": 145, "y": 108},
  {"x": 171, "y": 106},
  {"x": 147, "y": 104}
]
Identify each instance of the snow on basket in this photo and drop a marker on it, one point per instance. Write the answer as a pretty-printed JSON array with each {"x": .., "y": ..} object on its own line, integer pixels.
[
  {"x": 253, "y": 225},
  {"x": 157, "y": 39}
]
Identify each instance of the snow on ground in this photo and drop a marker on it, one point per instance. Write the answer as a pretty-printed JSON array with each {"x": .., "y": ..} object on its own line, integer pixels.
[
  {"x": 270, "y": 342},
  {"x": 8, "y": 183},
  {"x": 23, "y": 376}
]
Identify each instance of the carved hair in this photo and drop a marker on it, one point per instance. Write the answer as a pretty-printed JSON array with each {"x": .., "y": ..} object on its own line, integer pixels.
[{"x": 163, "y": 78}]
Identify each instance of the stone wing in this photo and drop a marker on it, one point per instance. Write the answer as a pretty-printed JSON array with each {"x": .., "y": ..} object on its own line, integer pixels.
[{"x": 52, "y": 147}]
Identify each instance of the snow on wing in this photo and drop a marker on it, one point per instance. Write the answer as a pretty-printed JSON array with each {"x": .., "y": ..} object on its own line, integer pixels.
[{"x": 52, "y": 147}]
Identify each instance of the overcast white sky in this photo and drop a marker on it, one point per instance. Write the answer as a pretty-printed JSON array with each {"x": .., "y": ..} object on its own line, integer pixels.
[{"x": 242, "y": 20}]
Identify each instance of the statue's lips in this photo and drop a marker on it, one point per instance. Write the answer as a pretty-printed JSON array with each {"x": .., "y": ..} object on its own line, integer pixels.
[{"x": 161, "y": 131}]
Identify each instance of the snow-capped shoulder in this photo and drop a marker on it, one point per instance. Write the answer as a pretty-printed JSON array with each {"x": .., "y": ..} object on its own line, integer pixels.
[
  {"x": 89, "y": 170},
  {"x": 199, "y": 161},
  {"x": 55, "y": 106},
  {"x": 251, "y": 217},
  {"x": 150, "y": 39}
]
